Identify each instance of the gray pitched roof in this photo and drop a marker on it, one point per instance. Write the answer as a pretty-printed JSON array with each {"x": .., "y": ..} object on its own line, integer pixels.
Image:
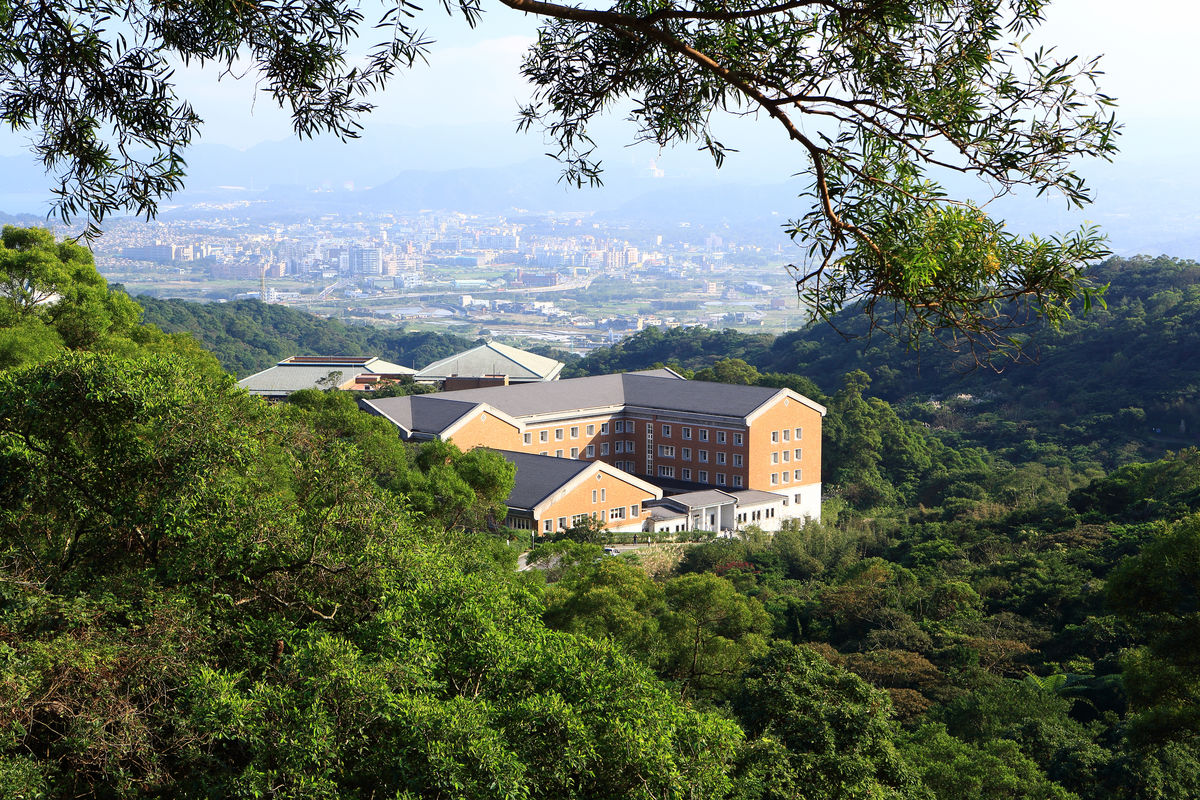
[
  {"x": 647, "y": 389},
  {"x": 538, "y": 477},
  {"x": 305, "y": 372},
  {"x": 700, "y": 499},
  {"x": 751, "y": 497},
  {"x": 662, "y": 514},
  {"x": 421, "y": 413},
  {"x": 287, "y": 379},
  {"x": 493, "y": 358},
  {"x": 433, "y": 413}
]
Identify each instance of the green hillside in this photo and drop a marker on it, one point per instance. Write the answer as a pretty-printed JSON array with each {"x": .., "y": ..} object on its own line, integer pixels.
[
  {"x": 247, "y": 336},
  {"x": 1114, "y": 385},
  {"x": 205, "y": 596}
]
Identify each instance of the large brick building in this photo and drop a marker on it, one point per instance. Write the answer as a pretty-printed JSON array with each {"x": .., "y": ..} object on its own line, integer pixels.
[{"x": 667, "y": 431}]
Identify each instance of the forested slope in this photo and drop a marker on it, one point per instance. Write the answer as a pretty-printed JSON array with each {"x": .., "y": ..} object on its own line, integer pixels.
[
  {"x": 1111, "y": 386},
  {"x": 205, "y": 596},
  {"x": 247, "y": 336}
]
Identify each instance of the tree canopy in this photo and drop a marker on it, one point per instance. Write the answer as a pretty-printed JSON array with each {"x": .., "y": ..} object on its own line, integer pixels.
[
  {"x": 203, "y": 595},
  {"x": 883, "y": 97}
]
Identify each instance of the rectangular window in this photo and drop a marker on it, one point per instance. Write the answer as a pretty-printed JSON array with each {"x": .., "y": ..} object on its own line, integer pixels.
[
  {"x": 737, "y": 439},
  {"x": 720, "y": 479},
  {"x": 604, "y": 428},
  {"x": 774, "y": 458},
  {"x": 548, "y": 525},
  {"x": 562, "y": 523},
  {"x": 577, "y": 518},
  {"x": 604, "y": 448},
  {"x": 787, "y": 476},
  {"x": 620, "y": 426},
  {"x": 720, "y": 437},
  {"x": 796, "y": 476},
  {"x": 666, "y": 472},
  {"x": 687, "y": 475},
  {"x": 737, "y": 459},
  {"x": 558, "y": 434},
  {"x": 629, "y": 447},
  {"x": 703, "y": 456},
  {"x": 591, "y": 451},
  {"x": 544, "y": 453},
  {"x": 603, "y": 515},
  {"x": 558, "y": 453},
  {"x": 787, "y": 456},
  {"x": 594, "y": 493},
  {"x": 630, "y": 426},
  {"x": 787, "y": 435},
  {"x": 796, "y": 453},
  {"x": 774, "y": 437},
  {"x": 591, "y": 430},
  {"x": 544, "y": 436},
  {"x": 686, "y": 431},
  {"x": 617, "y": 513},
  {"x": 704, "y": 434},
  {"x": 774, "y": 478},
  {"x": 666, "y": 451},
  {"x": 798, "y": 498},
  {"x": 703, "y": 476},
  {"x": 528, "y": 438},
  {"x": 686, "y": 453},
  {"x": 574, "y": 452},
  {"x": 575, "y": 432},
  {"x": 602, "y": 494},
  {"x": 737, "y": 480},
  {"x": 798, "y": 432},
  {"x": 635, "y": 510},
  {"x": 720, "y": 456},
  {"x": 666, "y": 430}
]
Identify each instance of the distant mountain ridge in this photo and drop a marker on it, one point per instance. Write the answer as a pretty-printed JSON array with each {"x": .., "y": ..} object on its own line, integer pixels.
[{"x": 1145, "y": 204}]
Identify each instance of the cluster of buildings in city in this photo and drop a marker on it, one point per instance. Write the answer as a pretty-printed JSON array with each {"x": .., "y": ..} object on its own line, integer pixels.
[
  {"x": 394, "y": 251},
  {"x": 565, "y": 279},
  {"x": 641, "y": 451}
]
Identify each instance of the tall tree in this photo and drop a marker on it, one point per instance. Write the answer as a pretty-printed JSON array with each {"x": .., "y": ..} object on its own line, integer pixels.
[{"x": 879, "y": 95}]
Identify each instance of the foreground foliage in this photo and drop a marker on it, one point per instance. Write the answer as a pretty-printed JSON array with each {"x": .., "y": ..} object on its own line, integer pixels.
[
  {"x": 205, "y": 596},
  {"x": 880, "y": 98}
]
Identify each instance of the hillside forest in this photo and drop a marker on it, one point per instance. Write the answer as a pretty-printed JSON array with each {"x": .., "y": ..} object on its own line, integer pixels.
[{"x": 206, "y": 596}]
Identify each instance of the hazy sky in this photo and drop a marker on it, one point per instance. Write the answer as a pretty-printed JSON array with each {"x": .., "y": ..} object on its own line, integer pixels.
[
  {"x": 472, "y": 78},
  {"x": 1149, "y": 59}
]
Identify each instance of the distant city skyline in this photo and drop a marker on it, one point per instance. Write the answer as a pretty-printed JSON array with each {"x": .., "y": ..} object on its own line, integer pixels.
[{"x": 460, "y": 110}]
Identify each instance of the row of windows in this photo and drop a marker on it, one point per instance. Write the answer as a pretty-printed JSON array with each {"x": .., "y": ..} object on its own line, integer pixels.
[
  {"x": 630, "y": 426},
  {"x": 666, "y": 471},
  {"x": 786, "y": 434},
  {"x": 787, "y": 477},
  {"x": 755, "y": 516},
  {"x": 685, "y": 453},
  {"x": 787, "y": 456},
  {"x": 685, "y": 432},
  {"x": 561, "y": 433},
  {"x": 604, "y": 515}
]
